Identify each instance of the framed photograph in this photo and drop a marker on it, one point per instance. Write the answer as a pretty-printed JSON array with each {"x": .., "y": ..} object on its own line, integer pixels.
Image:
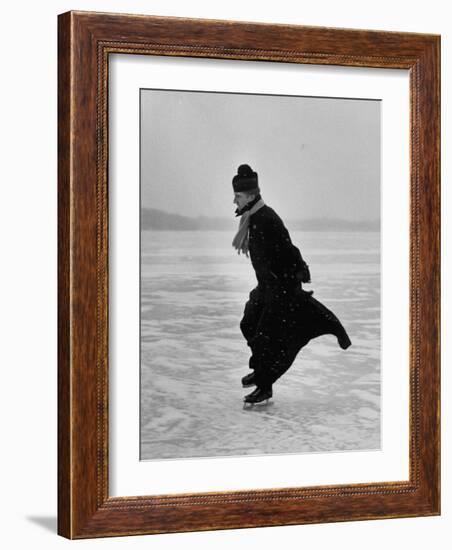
[{"x": 248, "y": 275}]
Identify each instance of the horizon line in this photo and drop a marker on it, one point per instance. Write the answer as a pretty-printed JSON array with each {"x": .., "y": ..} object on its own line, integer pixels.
[{"x": 317, "y": 218}]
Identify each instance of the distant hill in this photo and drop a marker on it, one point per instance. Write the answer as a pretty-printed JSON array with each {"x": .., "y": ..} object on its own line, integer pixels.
[{"x": 158, "y": 220}]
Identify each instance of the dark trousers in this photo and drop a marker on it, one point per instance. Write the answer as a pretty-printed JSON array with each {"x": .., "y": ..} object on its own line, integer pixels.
[{"x": 271, "y": 327}]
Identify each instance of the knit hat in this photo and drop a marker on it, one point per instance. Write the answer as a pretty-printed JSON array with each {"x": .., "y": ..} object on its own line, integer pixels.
[{"x": 245, "y": 180}]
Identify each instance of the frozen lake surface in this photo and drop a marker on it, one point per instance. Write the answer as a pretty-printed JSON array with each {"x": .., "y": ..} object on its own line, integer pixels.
[{"x": 193, "y": 291}]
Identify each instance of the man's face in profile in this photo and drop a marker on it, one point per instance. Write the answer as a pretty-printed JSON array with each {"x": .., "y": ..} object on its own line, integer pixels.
[{"x": 241, "y": 199}]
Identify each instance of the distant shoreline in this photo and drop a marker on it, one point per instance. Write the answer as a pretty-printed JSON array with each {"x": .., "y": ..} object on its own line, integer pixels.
[
  {"x": 159, "y": 220},
  {"x": 310, "y": 230}
]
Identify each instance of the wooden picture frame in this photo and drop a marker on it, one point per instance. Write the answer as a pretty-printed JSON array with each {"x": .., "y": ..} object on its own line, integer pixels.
[{"x": 85, "y": 42}]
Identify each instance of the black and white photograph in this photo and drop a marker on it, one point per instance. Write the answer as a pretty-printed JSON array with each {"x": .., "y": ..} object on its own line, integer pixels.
[{"x": 259, "y": 274}]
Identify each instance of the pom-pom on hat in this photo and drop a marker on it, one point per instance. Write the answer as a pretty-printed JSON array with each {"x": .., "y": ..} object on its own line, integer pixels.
[{"x": 245, "y": 180}]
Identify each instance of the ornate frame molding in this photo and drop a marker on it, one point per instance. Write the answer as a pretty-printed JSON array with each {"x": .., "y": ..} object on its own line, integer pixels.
[{"x": 85, "y": 42}]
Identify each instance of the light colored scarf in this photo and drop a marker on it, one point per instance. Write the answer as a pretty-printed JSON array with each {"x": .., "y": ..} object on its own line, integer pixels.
[{"x": 240, "y": 241}]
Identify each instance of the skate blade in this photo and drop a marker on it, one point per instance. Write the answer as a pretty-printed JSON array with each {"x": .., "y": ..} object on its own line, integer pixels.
[{"x": 265, "y": 403}]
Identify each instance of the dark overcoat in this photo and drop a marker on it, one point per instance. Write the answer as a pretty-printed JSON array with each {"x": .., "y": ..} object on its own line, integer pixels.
[
  {"x": 280, "y": 317},
  {"x": 275, "y": 259}
]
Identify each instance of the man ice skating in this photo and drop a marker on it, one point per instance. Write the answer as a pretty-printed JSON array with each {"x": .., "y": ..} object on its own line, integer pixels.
[{"x": 280, "y": 317}]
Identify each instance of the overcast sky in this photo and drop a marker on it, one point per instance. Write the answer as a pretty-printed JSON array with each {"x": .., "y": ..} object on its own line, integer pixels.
[{"x": 315, "y": 157}]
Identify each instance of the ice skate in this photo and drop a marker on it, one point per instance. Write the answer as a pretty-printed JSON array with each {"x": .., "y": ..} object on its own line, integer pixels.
[
  {"x": 248, "y": 380},
  {"x": 257, "y": 397}
]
